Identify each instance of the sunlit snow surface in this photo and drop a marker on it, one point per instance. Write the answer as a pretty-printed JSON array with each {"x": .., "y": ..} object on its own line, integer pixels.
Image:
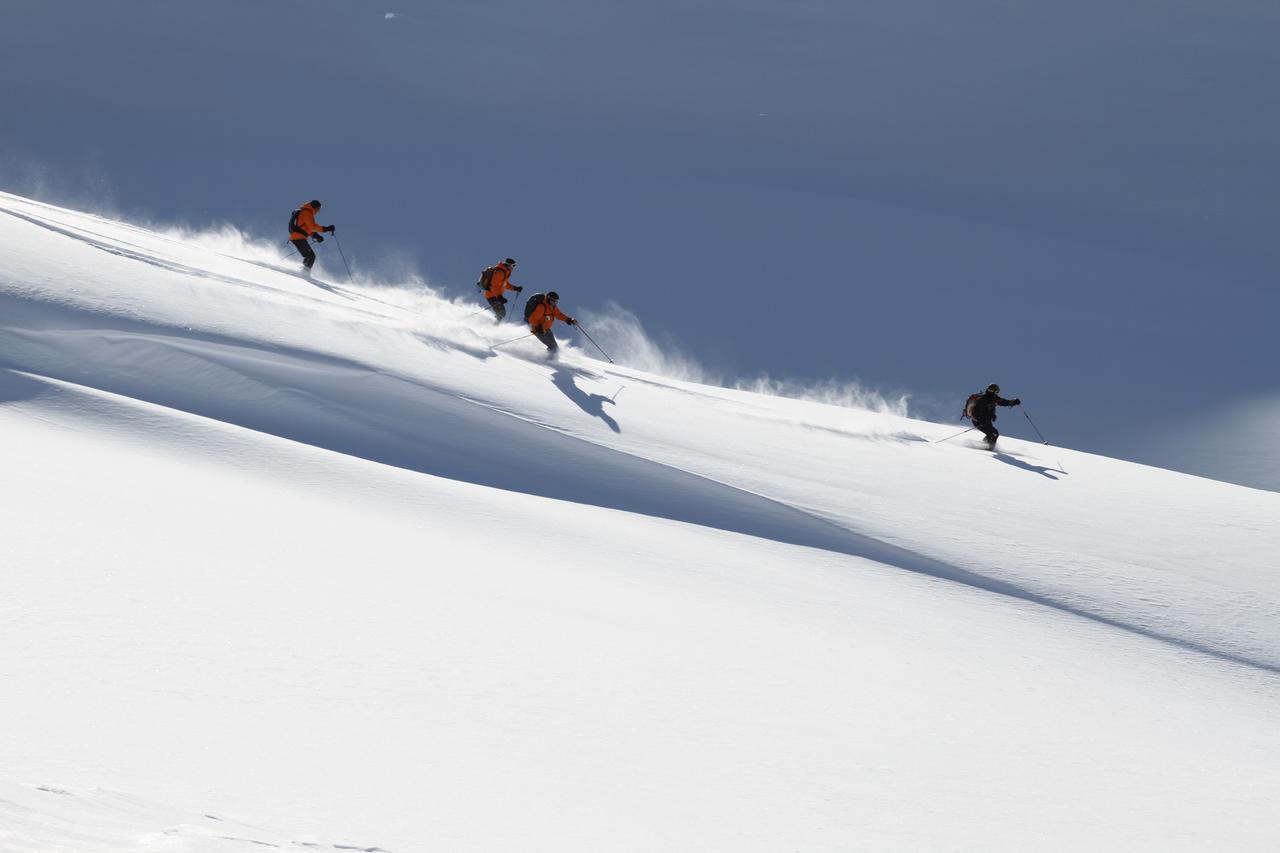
[{"x": 313, "y": 566}]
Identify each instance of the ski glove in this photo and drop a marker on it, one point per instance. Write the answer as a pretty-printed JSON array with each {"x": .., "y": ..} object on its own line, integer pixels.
[
  {"x": 317, "y": 238},
  {"x": 330, "y": 228},
  {"x": 572, "y": 322},
  {"x": 1017, "y": 401},
  {"x": 517, "y": 288}
]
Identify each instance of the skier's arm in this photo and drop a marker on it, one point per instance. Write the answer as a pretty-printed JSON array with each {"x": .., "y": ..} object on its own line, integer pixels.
[
  {"x": 1001, "y": 401},
  {"x": 307, "y": 222},
  {"x": 503, "y": 279}
]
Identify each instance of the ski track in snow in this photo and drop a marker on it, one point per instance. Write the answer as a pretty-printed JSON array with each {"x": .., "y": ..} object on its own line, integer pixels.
[{"x": 342, "y": 370}]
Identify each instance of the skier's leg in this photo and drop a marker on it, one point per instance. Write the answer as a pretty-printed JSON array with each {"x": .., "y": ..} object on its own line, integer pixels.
[
  {"x": 988, "y": 431},
  {"x": 304, "y": 249},
  {"x": 499, "y": 306},
  {"x": 548, "y": 340}
]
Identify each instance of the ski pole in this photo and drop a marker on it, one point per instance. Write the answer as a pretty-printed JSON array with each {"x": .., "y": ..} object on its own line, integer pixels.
[
  {"x": 596, "y": 345},
  {"x": 517, "y": 302},
  {"x": 512, "y": 341},
  {"x": 350, "y": 277},
  {"x": 957, "y": 435},
  {"x": 293, "y": 250},
  {"x": 1042, "y": 438},
  {"x": 1033, "y": 426}
]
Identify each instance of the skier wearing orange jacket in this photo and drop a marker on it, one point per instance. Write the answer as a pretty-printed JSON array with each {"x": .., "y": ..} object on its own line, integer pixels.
[
  {"x": 544, "y": 312},
  {"x": 495, "y": 281},
  {"x": 302, "y": 225}
]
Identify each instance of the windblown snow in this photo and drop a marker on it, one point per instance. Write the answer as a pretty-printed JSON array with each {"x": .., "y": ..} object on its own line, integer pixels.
[{"x": 314, "y": 566}]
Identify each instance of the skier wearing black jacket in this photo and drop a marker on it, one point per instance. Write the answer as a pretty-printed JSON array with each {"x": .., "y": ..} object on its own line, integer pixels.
[{"x": 981, "y": 409}]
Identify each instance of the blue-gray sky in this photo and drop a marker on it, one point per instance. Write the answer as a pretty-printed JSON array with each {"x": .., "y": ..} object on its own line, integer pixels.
[{"x": 1076, "y": 200}]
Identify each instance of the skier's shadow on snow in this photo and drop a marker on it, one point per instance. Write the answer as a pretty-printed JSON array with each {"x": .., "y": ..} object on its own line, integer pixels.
[
  {"x": 1026, "y": 466},
  {"x": 592, "y": 404}
]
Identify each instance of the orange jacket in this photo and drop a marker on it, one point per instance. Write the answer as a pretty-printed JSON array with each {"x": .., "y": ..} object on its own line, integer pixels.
[
  {"x": 499, "y": 282},
  {"x": 306, "y": 223},
  {"x": 546, "y": 314}
]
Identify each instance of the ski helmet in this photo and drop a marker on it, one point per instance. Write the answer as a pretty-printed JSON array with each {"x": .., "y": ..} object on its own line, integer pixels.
[
  {"x": 993, "y": 388},
  {"x": 511, "y": 262},
  {"x": 315, "y": 202},
  {"x": 553, "y": 296}
]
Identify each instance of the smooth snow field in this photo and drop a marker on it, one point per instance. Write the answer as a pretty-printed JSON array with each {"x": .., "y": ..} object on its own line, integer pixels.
[{"x": 310, "y": 566}]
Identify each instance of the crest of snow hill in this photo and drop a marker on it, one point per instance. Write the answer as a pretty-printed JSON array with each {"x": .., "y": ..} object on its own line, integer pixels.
[{"x": 307, "y": 560}]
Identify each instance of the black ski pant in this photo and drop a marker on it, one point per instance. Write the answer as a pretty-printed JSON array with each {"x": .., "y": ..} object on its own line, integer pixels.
[
  {"x": 548, "y": 339},
  {"x": 989, "y": 430},
  {"x": 304, "y": 249},
  {"x": 499, "y": 306}
]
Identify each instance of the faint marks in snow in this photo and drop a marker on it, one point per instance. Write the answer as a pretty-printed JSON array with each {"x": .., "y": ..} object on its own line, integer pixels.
[
  {"x": 98, "y": 819},
  {"x": 897, "y": 437},
  {"x": 449, "y": 345},
  {"x": 252, "y": 841}
]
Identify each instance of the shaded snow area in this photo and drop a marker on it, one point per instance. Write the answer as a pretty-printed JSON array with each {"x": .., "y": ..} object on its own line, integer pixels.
[{"x": 311, "y": 567}]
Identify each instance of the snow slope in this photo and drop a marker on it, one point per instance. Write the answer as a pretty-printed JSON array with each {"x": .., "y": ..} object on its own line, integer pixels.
[{"x": 318, "y": 562}]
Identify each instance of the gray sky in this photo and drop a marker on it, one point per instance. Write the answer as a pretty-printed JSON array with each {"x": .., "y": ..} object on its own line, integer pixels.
[{"x": 1076, "y": 200}]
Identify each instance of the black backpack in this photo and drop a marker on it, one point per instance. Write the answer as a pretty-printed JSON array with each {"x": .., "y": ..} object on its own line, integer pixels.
[
  {"x": 293, "y": 222},
  {"x": 970, "y": 403},
  {"x": 534, "y": 301},
  {"x": 486, "y": 279}
]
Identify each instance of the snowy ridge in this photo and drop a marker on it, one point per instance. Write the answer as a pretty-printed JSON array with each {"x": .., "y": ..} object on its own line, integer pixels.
[{"x": 586, "y": 580}]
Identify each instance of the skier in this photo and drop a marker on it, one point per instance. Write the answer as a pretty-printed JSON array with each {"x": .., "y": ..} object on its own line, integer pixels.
[
  {"x": 494, "y": 281},
  {"x": 302, "y": 225},
  {"x": 980, "y": 408},
  {"x": 541, "y": 312}
]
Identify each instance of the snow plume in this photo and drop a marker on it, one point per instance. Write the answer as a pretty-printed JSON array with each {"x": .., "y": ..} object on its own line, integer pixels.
[
  {"x": 832, "y": 392},
  {"x": 393, "y": 282},
  {"x": 83, "y": 186},
  {"x": 622, "y": 334},
  {"x": 226, "y": 239},
  {"x": 392, "y": 271}
]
